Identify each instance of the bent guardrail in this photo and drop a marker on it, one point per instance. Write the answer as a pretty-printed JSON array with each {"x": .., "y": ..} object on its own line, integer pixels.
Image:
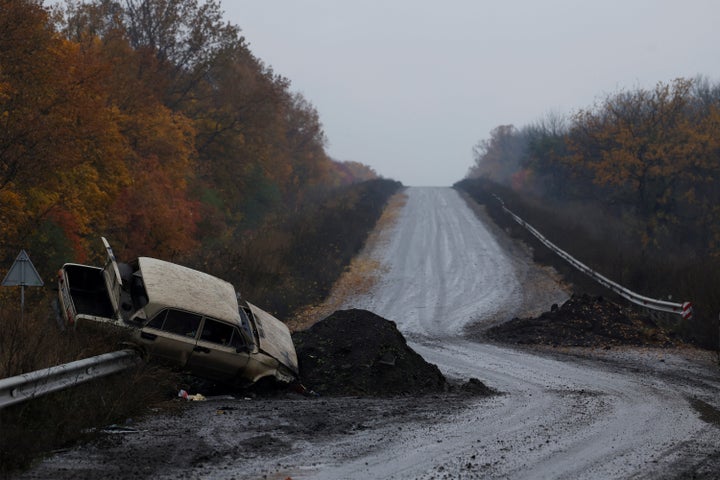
[
  {"x": 34, "y": 384},
  {"x": 682, "y": 309}
]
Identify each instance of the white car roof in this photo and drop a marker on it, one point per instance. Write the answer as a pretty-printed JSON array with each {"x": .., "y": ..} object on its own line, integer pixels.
[{"x": 170, "y": 285}]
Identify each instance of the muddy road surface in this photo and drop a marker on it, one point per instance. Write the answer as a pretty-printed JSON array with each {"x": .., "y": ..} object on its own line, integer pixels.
[{"x": 445, "y": 274}]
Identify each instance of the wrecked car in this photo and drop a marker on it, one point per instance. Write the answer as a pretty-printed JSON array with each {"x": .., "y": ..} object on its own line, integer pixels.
[{"x": 180, "y": 316}]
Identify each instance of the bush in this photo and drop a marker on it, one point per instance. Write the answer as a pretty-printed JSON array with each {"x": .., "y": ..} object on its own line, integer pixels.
[{"x": 295, "y": 261}]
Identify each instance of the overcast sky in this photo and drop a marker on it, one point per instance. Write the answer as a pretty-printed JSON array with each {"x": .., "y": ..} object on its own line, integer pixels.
[{"x": 409, "y": 86}]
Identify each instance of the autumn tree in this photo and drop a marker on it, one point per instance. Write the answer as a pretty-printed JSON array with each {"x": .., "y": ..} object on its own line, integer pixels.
[
  {"x": 348, "y": 172},
  {"x": 701, "y": 192},
  {"x": 642, "y": 146},
  {"x": 238, "y": 122},
  {"x": 153, "y": 210},
  {"x": 501, "y": 156},
  {"x": 57, "y": 137},
  {"x": 545, "y": 173}
]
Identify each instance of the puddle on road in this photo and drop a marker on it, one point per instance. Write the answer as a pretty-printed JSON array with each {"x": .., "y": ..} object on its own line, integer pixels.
[{"x": 707, "y": 412}]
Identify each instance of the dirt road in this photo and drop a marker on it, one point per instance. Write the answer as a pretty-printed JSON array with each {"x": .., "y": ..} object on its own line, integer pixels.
[
  {"x": 624, "y": 413},
  {"x": 558, "y": 419}
]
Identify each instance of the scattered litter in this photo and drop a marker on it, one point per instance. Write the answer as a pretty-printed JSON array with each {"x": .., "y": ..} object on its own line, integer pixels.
[
  {"x": 302, "y": 390},
  {"x": 198, "y": 397}
]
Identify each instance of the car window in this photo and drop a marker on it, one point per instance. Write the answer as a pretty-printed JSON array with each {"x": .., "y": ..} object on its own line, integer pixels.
[
  {"x": 157, "y": 321},
  {"x": 222, "y": 334},
  {"x": 237, "y": 340},
  {"x": 216, "y": 332},
  {"x": 176, "y": 321}
]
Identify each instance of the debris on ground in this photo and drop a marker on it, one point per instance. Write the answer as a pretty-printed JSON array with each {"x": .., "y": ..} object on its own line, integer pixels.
[
  {"x": 475, "y": 387},
  {"x": 583, "y": 321},
  {"x": 198, "y": 397},
  {"x": 356, "y": 352}
]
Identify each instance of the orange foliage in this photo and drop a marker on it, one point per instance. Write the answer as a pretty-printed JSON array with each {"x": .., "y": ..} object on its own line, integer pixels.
[
  {"x": 519, "y": 180},
  {"x": 155, "y": 214},
  {"x": 69, "y": 224},
  {"x": 11, "y": 210}
]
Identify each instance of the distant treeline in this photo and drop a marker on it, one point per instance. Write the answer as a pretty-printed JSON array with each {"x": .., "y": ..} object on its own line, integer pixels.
[
  {"x": 631, "y": 186},
  {"x": 295, "y": 262},
  {"x": 152, "y": 123}
]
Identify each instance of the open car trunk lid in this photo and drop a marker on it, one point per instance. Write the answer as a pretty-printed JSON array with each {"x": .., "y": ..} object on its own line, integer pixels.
[
  {"x": 113, "y": 281},
  {"x": 275, "y": 339}
]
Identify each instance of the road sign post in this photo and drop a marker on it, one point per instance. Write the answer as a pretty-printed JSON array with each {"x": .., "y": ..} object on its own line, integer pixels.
[{"x": 22, "y": 273}]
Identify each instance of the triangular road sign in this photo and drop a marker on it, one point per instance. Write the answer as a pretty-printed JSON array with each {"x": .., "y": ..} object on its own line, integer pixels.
[{"x": 22, "y": 273}]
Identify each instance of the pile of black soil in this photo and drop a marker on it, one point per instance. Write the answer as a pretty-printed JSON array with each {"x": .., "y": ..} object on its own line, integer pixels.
[
  {"x": 583, "y": 321},
  {"x": 355, "y": 352}
]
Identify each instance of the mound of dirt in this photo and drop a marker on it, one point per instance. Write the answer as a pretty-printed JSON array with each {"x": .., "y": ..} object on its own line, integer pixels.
[
  {"x": 583, "y": 321},
  {"x": 355, "y": 352}
]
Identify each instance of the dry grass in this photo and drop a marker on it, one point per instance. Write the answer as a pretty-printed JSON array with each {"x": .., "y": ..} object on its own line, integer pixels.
[
  {"x": 62, "y": 418},
  {"x": 28, "y": 341},
  {"x": 360, "y": 276}
]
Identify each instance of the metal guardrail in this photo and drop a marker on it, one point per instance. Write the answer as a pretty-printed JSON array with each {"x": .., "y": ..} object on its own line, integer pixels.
[
  {"x": 682, "y": 309},
  {"x": 34, "y": 384}
]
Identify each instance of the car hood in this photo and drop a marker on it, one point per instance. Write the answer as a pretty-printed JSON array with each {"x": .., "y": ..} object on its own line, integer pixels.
[{"x": 275, "y": 339}]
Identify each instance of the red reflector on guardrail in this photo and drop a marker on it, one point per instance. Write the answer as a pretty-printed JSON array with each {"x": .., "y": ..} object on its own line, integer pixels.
[{"x": 687, "y": 311}]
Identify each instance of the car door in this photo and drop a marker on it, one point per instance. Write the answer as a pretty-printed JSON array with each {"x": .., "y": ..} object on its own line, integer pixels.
[
  {"x": 220, "y": 352},
  {"x": 171, "y": 335}
]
